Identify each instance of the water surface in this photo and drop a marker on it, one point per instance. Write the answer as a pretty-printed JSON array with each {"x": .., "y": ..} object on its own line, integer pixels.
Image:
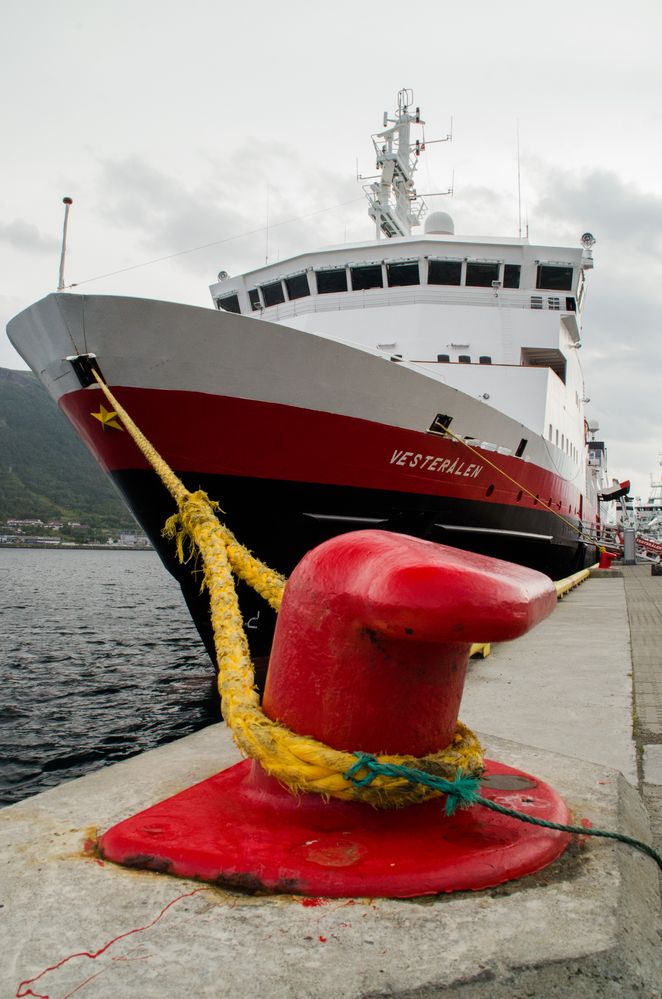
[{"x": 99, "y": 660}]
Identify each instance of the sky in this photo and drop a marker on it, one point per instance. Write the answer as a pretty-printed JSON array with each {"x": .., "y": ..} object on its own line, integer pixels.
[{"x": 179, "y": 125}]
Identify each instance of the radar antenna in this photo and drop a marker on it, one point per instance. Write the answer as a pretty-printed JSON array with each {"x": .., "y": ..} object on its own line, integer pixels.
[{"x": 394, "y": 204}]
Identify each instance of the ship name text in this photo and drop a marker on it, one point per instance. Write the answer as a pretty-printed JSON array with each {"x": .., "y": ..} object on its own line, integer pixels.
[{"x": 430, "y": 463}]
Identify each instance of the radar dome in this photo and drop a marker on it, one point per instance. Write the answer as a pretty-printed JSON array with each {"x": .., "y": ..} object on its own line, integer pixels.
[{"x": 440, "y": 223}]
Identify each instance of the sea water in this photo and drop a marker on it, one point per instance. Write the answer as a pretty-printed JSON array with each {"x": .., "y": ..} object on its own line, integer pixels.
[{"x": 99, "y": 660}]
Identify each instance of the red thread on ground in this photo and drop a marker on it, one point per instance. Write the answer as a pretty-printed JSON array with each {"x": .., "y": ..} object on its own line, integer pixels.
[
  {"x": 80, "y": 986},
  {"x": 98, "y": 953}
]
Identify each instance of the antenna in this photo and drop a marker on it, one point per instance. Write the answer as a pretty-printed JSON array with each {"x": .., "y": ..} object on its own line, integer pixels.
[
  {"x": 67, "y": 202},
  {"x": 519, "y": 191},
  {"x": 266, "y": 232}
]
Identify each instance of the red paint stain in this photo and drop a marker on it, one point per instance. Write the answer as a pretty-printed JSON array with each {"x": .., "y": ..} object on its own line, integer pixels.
[
  {"x": 309, "y": 903},
  {"x": 322, "y": 939}
]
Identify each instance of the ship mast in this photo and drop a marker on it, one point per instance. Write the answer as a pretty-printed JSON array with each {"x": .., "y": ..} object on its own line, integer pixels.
[{"x": 394, "y": 205}]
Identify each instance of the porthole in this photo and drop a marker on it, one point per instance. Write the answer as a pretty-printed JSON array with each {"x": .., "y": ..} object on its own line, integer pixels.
[
  {"x": 489, "y": 490},
  {"x": 519, "y": 495}
]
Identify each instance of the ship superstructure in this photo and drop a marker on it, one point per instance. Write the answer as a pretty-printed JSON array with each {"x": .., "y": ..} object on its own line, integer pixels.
[{"x": 425, "y": 383}]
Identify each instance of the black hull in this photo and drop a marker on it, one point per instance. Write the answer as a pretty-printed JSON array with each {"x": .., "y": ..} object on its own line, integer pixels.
[{"x": 280, "y": 521}]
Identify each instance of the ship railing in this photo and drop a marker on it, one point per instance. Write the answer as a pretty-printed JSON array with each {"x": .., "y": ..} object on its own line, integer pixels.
[{"x": 378, "y": 298}]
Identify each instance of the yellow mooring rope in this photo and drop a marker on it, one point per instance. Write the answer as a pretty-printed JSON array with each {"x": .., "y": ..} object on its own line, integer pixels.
[{"x": 301, "y": 763}]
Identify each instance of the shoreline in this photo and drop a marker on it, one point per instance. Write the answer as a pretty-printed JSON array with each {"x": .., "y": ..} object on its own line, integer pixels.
[{"x": 75, "y": 547}]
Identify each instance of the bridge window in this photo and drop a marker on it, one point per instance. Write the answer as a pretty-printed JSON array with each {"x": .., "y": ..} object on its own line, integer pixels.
[
  {"x": 297, "y": 286},
  {"x": 331, "y": 281},
  {"x": 511, "y": 275},
  {"x": 554, "y": 278},
  {"x": 273, "y": 293},
  {"x": 229, "y": 303},
  {"x": 254, "y": 299},
  {"x": 368, "y": 276},
  {"x": 444, "y": 271},
  {"x": 482, "y": 275},
  {"x": 402, "y": 273}
]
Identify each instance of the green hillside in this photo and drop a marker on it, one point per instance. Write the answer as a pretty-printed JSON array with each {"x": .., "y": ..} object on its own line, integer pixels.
[{"x": 45, "y": 471}]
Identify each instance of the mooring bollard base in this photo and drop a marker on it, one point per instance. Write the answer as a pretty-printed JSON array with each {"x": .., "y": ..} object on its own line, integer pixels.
[{"x": 241, "y": 828}]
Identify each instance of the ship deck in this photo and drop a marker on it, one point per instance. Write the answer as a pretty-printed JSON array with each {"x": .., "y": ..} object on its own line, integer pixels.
[{"x": 584, "y": 689}]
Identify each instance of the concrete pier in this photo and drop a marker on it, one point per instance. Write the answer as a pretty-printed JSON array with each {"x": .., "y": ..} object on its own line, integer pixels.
[
  {"x": 589, "y": 925},
  {"x": 587, "y": 682}
]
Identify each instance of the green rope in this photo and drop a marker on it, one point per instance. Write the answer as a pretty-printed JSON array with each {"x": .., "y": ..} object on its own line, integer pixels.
[{"x": 463, "y": 793}]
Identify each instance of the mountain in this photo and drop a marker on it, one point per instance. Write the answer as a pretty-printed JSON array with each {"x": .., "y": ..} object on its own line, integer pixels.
[{"x": 45, "y": 471}]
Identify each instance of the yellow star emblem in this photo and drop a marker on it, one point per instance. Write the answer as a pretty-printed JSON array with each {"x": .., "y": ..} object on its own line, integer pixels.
[{"x": 107, "y": 418}]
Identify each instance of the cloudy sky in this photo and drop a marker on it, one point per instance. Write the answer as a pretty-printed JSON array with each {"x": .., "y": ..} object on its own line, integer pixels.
[{"x": 179, "y": 125}]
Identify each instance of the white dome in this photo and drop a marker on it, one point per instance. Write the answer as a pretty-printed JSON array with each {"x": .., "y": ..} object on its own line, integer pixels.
[{"x": 440, "y": 223}]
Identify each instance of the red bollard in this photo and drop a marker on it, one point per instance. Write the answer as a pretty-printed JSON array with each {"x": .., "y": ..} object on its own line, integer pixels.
[
  {"x": 370, "y": 654},
  {"x": 606, "y": 558},
  {"x": 373, "y": 638}
]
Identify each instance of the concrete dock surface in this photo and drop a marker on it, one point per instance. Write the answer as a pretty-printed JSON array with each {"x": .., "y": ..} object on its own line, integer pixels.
[
  {"x": 587, "y": 682},
  {"x": 574, "y": 702}
]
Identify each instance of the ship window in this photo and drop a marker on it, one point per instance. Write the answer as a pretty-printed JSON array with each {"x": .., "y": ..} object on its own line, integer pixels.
[
  {"x": 369, "y": 276},
  {"x": 443, "y": 357},
  {"x": 273, "y": 293},
  {"x": 331, "y": 281},
  {"x": 402, "y": 274},
  {"x": 553, "y": 303},
  {"x": 521, "y": 447},
  {"x": 482, "y": 275},
  {"x": 570, "y": 305},
  {"x": 444, "y": 271},
  {"x": 254, "y": 299},
  {"x": 536, "y": 301},
  {"x": 297, "y": 286},
  {"x": 511, "y": 275},
  {"x": 229, "y": 303},
  {"x": 551, "y": 435},
  {"x": 554, "y": 278},
  {"x": 464, "y": 359},
  {"x": 485, "y": 359},
  {"x": 557, "y": 438}
]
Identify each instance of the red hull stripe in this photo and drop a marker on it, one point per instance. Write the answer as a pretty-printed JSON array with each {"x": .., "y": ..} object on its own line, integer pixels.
[{"x": 218, "y": 435}]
